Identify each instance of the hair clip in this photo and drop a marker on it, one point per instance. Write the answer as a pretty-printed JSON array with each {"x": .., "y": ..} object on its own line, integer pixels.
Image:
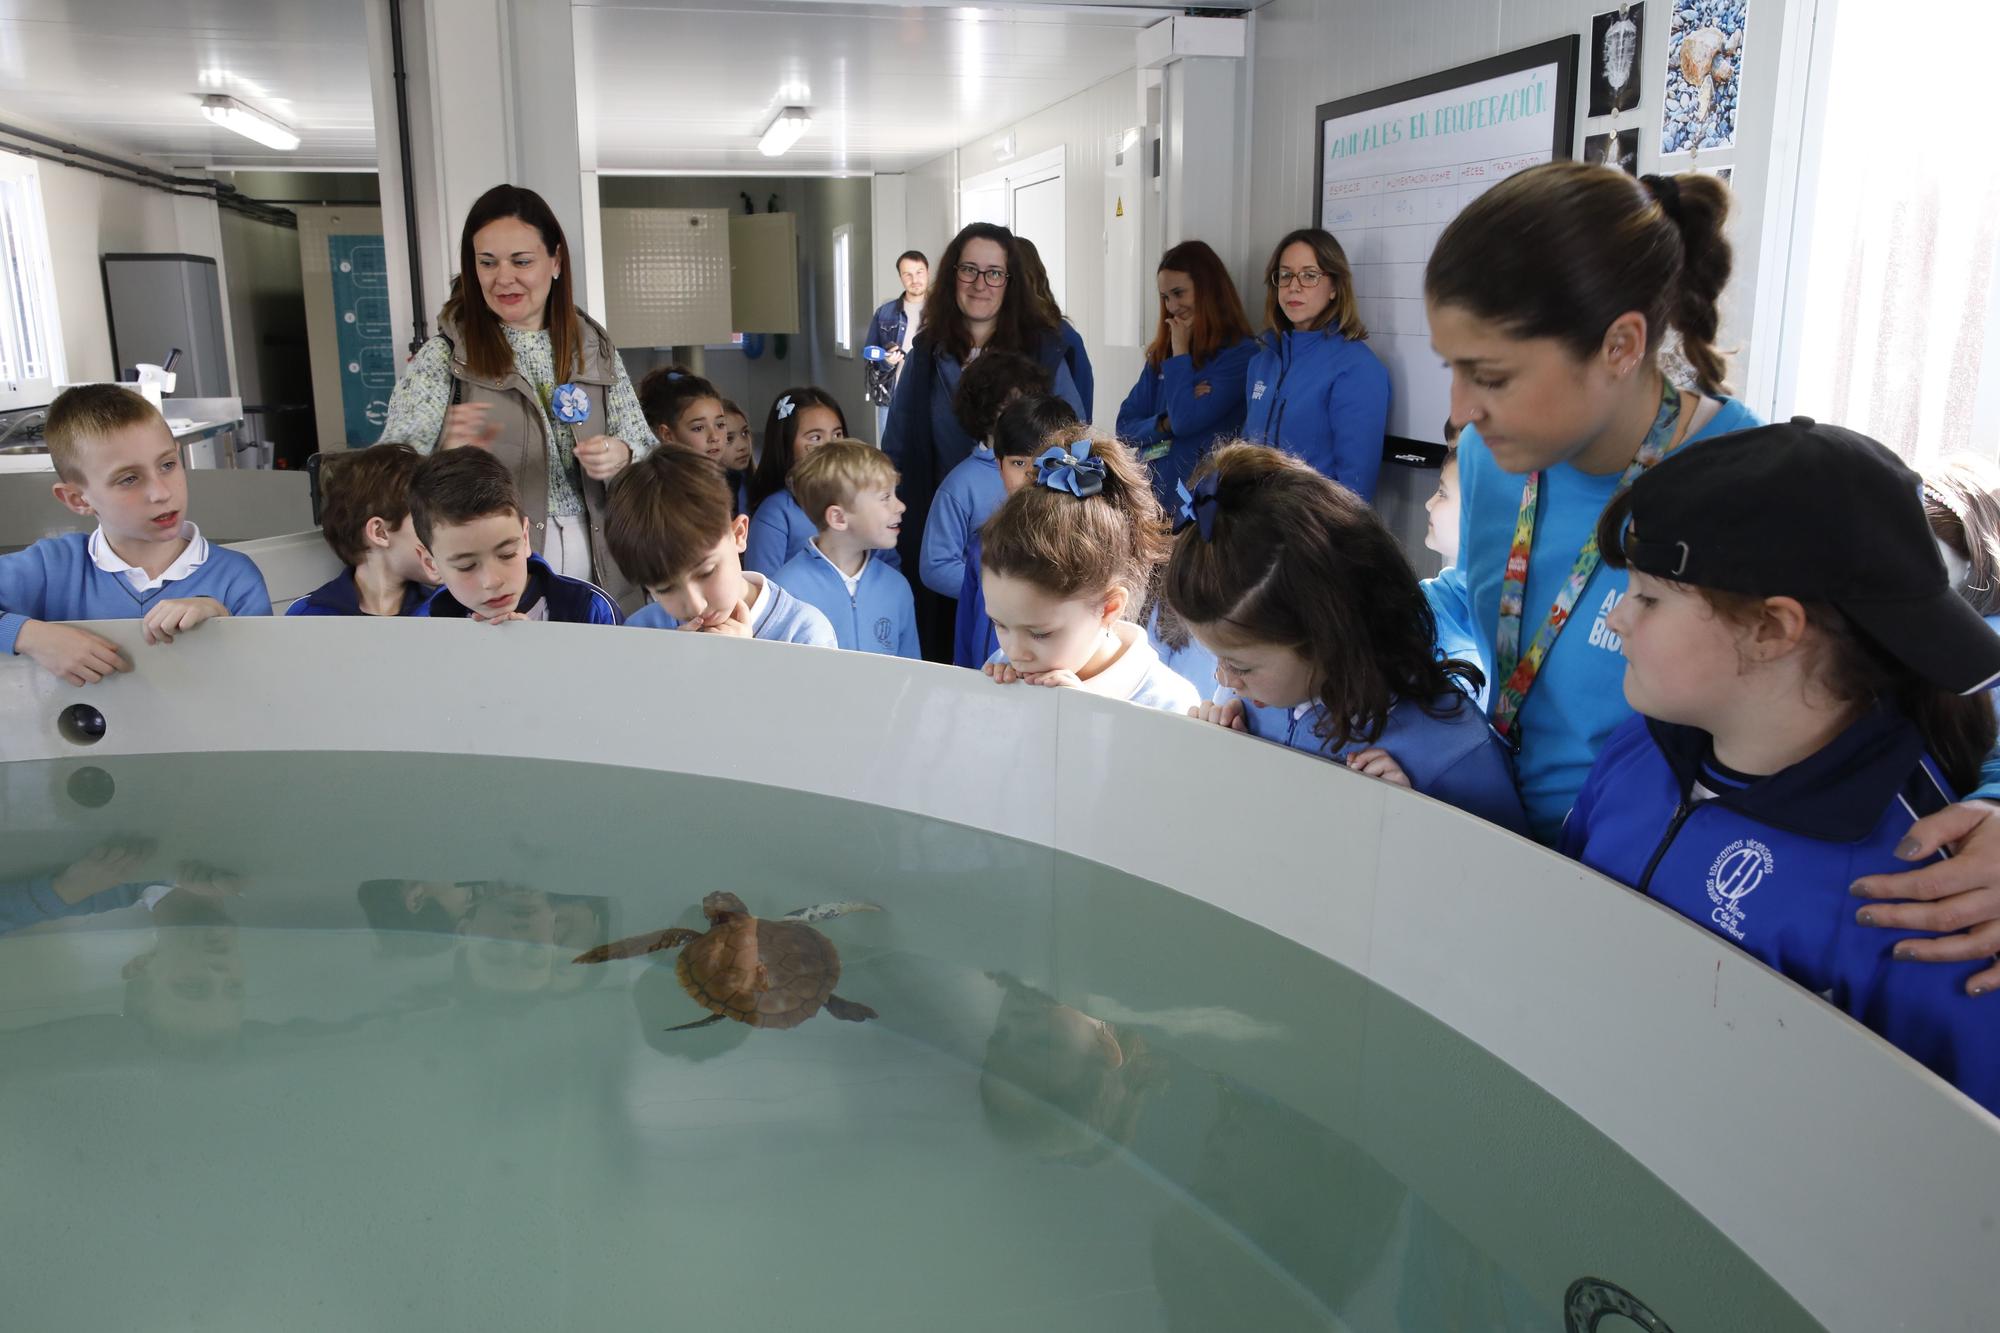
[
  {"x": 1078, "y": 473},
  {"x": 1199, "y": 508},
  {"x": 1936, "y": 495},
  {"x": 785, "y": 407}
]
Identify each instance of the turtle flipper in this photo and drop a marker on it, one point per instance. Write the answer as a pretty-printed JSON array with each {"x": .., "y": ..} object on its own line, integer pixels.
[
  {"x": 634, "y": 945},
  {"x": 698, "y": 1023},
  {"x": 848, "y": 1011},
  {"x": 827, "y": 911}
]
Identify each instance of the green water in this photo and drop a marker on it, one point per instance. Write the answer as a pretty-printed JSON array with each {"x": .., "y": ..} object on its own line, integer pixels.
[{"x": 1088, "y": 1103}]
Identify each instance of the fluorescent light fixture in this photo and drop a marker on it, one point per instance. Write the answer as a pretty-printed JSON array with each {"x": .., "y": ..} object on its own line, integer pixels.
[
  {"x": 233, "y": 115},
  {"x": 784, "y": 131}
]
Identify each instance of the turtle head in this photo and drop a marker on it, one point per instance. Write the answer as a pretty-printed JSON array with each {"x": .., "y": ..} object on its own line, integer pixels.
[{"x": 720, "y": 904}]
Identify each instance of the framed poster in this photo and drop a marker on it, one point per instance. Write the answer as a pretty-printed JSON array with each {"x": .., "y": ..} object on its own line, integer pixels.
[{"x": 1397, "y": 164}]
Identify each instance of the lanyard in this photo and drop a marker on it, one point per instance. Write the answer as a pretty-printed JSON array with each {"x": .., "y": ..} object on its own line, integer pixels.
[{"x": 1517, "y": 669}]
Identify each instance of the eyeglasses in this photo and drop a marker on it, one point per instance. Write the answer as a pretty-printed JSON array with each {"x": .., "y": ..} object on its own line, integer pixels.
[
  {"x": 1306, "y": 278},
  {"x": 971, "y": 273}
]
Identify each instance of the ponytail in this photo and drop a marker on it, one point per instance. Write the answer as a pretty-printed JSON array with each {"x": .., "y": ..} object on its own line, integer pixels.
[
  {"x": 666, "y": 392},
  {"x": 1072, "y": 545}
]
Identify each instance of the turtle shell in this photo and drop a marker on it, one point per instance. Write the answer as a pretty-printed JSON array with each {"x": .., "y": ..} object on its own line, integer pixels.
[{"x": 769, "y": 974}]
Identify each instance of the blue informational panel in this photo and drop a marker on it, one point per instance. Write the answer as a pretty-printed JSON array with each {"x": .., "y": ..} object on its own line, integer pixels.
[{"x": 367, "y": 352}]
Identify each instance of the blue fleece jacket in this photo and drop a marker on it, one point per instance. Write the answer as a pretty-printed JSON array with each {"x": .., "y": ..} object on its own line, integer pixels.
[
  {"x": 879, "y": 616},
  {"x": 779, "y": 618},
  {"x": 1204, "y": 405},
  {"x": 778, "y": 531},
  {"x": 1766, "y": 862},
  {"x": 1579, "y": 698},
  {"x": 339, "y": 597},
  {"x": 966, "y": 499},
  {"x": 1324, "y": 398},
  {"x": 56, "y": 580},
  {"x": 973, "y": 641},
  {"x": 569, "y": 601}
]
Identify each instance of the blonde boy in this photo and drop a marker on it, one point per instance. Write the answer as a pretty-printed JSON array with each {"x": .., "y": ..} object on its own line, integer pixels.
[{"x": 848, "y": 489}]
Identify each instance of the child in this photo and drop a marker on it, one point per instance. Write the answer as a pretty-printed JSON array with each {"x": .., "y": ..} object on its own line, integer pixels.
[
  {"x": 1962, "y": 502},
  {"x": 850, "y": 488},
  {"x": 971, "y": 491},
  {"x": 801, "y": 420},
  {"x": 1313, "y": 612},
  {"x": 683, "y": 408},
  {"x": 475, "y": 540},
  {"x": 1804, "y": 697},
  {"x": 366, "y": 521},
  {"x": 671, "y": 516},
  {"x": 116, "y": 461},
  {"x": 1063, "y": 560},
  {"x": 739, "y": 452},
  {"x": 1021, "y": 433},
  {"x": 1457, "y": 642}
]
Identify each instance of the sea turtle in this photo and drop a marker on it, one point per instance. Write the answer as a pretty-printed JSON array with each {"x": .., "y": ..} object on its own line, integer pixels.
[{"x": 772, "y": 973}]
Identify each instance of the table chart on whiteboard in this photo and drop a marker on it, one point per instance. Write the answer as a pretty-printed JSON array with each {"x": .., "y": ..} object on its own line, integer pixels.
[{"x": 1388, "y": 225}]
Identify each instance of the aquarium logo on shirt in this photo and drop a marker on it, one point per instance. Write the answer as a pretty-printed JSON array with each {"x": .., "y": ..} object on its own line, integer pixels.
[
  {"x": 1600, "y": 633},
  {"x": 1257, "y": 392},
  {"x": 1735, "y": 874}
]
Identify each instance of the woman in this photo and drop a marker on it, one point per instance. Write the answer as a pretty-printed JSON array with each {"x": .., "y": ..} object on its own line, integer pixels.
[
  {"x": 1549, "y": 296},
  {"x": 1316, "y": 390},
  {"x": 1036, "y": 274},
  {"x": 977, "y": 302},
  {"x": 1190, "y": 396},
  {"x": 516, "y": 368}
]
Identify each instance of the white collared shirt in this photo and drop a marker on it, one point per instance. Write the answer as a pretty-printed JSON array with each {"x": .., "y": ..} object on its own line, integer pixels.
[
  {"x": 853, "y": 581},
  {"x": 758, "y": 603},
  {"x": 190, "y": 559}
]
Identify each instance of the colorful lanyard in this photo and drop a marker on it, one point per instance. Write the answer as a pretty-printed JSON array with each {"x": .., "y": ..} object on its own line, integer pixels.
[{"x": 1517, "y": 670}]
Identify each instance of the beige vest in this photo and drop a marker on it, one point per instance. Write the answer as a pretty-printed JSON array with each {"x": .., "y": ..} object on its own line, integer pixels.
[{"x": 515, "y": 407}]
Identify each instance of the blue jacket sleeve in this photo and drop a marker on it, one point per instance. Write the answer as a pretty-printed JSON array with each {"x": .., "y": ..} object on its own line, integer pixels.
[
  {"x": 1576, "y": 825},
  {"x": 604, "y": 611},
  {"x": 247, "y": 594},
  {"x": 907, "y": 644},
  {"x": 1921, "y": 1009},
  {"x": 973, "y": 640},
  {"x": 1138, "y": 416},
  {"x": 946, "y": 532},
  {"x": 1077, "y": 358},
  {"x": 1190, "y": 414},
  {"x": 766, "y": 548},
  {"x": 1482, "y": 784},
  {"x": 24, "y": 586},
  {"x": 1357, "y": 410}
]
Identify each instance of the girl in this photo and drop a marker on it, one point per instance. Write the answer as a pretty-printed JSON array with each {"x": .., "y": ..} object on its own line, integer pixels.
[
  {"x": 1962, "y": 502},
  {"x": 1075, "y": 355},
  {"x": 1189, "y": 397},
  {"x": 1063, "y": 560},
  {"x": 1316, "y": 390},
  {"x": 683, "y": 408},
  {"x": 1317, "y": 621},
  {"x": 1548, "y": 297},
  {"x": 801, "y": 420},
  {"x": 738, "y": 452},
  {"x": 1805, "y": 698}
]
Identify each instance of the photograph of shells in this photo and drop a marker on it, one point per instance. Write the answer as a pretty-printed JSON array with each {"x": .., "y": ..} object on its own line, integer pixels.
[
  {"x": 1620, "y": 150},
  {"x": 1615, "y": 41},
  {"x": 1704, "y": 66}
]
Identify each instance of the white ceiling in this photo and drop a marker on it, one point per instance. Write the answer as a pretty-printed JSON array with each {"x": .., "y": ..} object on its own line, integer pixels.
[{"x": 666, "y": 85}]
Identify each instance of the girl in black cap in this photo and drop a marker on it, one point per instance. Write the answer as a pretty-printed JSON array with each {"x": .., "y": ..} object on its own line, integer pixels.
[{"x": 1805, "y": 699}]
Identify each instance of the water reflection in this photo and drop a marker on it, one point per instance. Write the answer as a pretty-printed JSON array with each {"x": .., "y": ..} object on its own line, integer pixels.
[{"x": 1044, "y": 1055}]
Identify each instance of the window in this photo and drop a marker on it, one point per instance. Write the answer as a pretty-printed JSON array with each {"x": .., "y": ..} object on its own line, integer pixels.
[
  {"x": 843, "y": 290},
  {"x": 31, "y": 351}
]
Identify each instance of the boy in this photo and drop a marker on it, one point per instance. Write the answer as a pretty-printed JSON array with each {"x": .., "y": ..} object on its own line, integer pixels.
[
  {"x": 971, "y": 491},
  {"x": 116, "y": 461},
  {"x": 1019, "y": 436},
  {"x": 365, "y": 520},
  {"x": 849, "y": 490},
  {"x": 673, "y": 528},
  {"x": 475, "y": 543}
]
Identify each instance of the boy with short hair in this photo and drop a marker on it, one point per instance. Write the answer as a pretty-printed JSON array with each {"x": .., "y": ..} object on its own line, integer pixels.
[
  {"x": 672, "y": 526},
  {"x": 475, "y": 543},
  {"x": 365, "y": 519},
  {"x": 116, "y": 461},
  {"x": 970, "y": 492},
  {"x": 848, "y": 489}
]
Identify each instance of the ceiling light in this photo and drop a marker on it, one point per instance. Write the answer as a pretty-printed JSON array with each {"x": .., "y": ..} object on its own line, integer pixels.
[
  {"x": 233, "y": 115},
  {"x": 784, "y": 131}
]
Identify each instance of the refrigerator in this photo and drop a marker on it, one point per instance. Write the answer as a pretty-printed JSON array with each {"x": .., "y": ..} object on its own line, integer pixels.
[{"x": 159, "y": 302}]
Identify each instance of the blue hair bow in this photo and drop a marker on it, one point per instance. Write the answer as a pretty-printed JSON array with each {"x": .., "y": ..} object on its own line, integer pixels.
[
  {"x": 1199, "y": 508},
  {"x": 1078, "y": 473}
]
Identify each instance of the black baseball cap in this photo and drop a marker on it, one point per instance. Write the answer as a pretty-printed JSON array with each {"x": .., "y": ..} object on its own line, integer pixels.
[{"x": 1815, "y": 512}]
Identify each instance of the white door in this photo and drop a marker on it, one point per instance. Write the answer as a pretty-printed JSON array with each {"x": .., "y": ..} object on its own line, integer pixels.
[{"x": 1038, "y": 215}]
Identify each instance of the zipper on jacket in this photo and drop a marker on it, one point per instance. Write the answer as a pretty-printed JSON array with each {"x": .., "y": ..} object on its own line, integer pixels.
[
  {"x": 1278, "y": 392},
  {"x": 1681, "y": 813}
]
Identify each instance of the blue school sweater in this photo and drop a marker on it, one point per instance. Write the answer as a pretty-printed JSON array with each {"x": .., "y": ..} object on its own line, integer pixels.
[
  {"x": 339, "y": 597},
  {"x": 879, "y": 616},
  {"x": 778, "y": 531},
  {"x": 779, "y": 617},
  {"x": 1138, "y": 676},
  {"x": 1324, "y": 398},
  {"x": 1200, "y": 421},
  {"x": 55, "y": 579},
  {"x": 569, "y": 601},
  {"x": 973, "y": 641},
  {"x": 967, "y": 498},
  {"x": 1766, "y": 862},
  {"x": 1455, "y": 758},
  {"x": 1579, "y": 698}
]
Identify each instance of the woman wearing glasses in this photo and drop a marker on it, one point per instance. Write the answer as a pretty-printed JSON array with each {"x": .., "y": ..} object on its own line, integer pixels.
[
  {"x": 980, "y": 303},
  {"x": 1316, "y": 390}
]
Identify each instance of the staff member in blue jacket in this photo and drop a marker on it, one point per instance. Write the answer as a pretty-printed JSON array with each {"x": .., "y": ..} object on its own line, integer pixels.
[
  {"x": 976, "y": 304},
  {"x": 1189, "y": 397},
  {"x": 893, "y": 329},
  {"x": 1316, "y": 390}
]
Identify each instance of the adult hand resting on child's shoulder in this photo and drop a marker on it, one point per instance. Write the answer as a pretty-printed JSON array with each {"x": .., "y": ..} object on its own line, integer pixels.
[
  {"x": 1377, "y": 763},
  {"x": 177, "y": 615},
  {"x": 1226, "y": 713},
  {"x": 76, "y": 655},
  {"x": 1961, "y": 894}
]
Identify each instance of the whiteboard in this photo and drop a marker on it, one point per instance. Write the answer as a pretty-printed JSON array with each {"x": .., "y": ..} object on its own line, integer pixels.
[{"x": 1396, "y": 165}]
